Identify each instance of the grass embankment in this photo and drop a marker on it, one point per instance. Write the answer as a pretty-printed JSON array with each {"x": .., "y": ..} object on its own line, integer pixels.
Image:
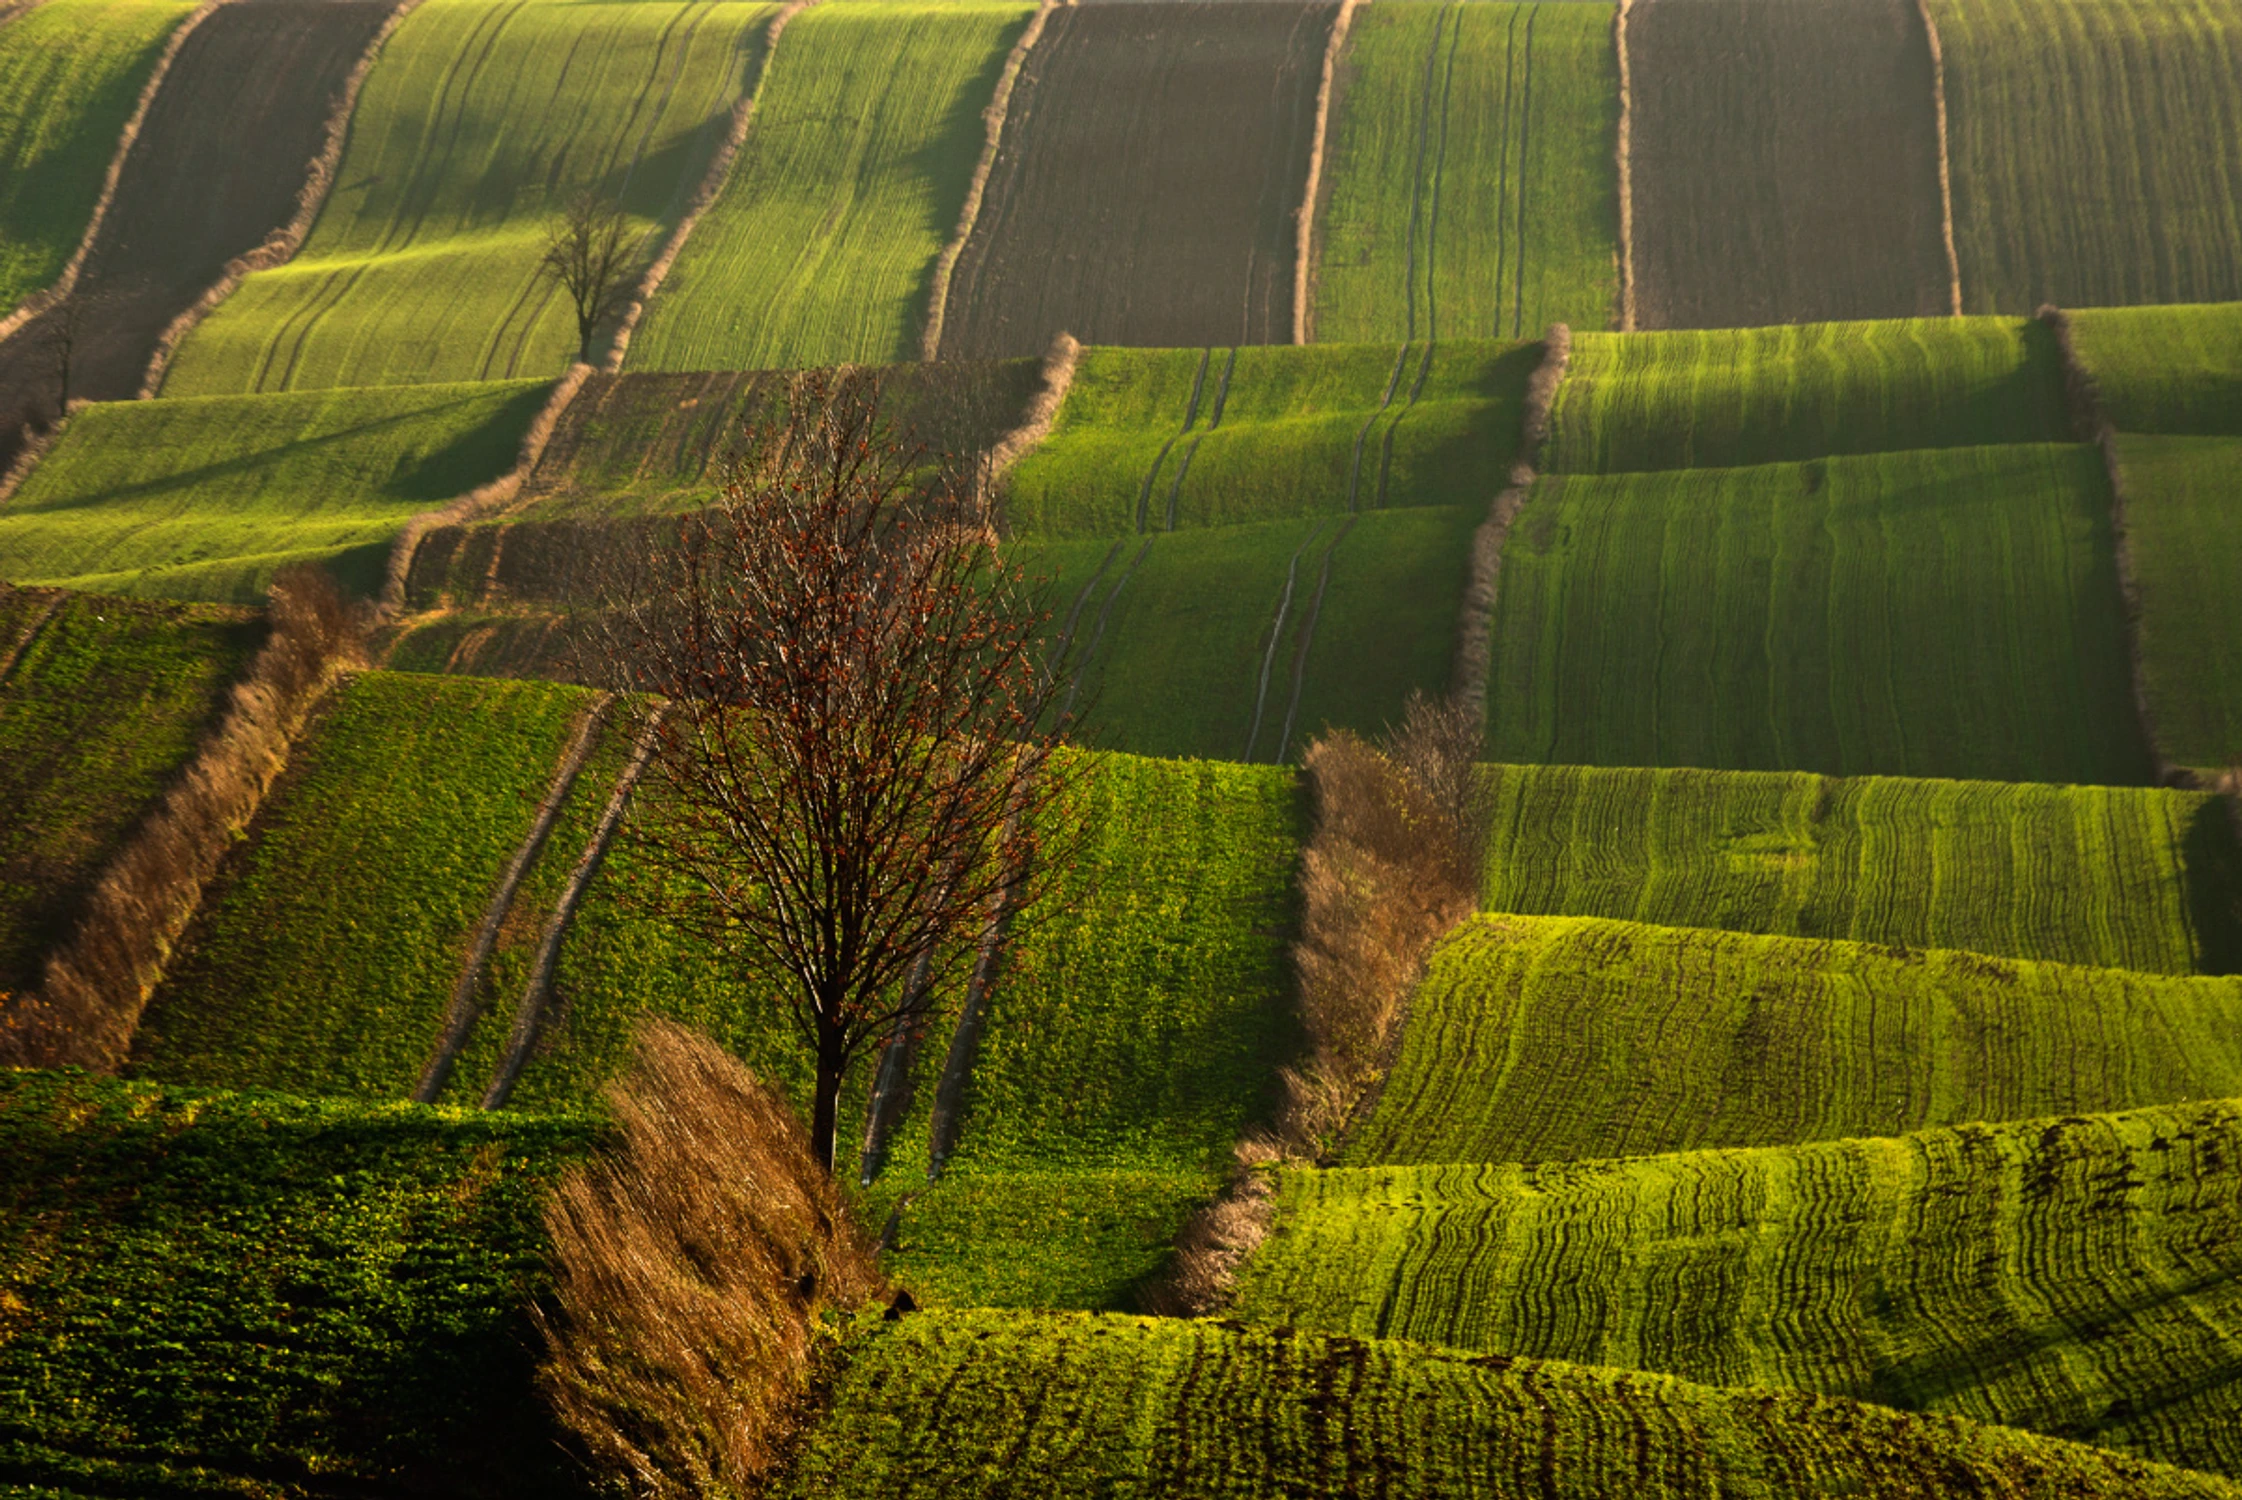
[
  {"x": 71, "y": 73},
  {"x": 2184, "y": 529},
  {"x": 325, "y": 959},
  {"x": 208, "y": 498},
  {"x": 2120, "y": 877},
  {"x": 255, "y": 1295},
  {"x": 1472, "y": 185},
  {"x": 2165, "y": 369},
  {"x": 2078, "y": 1277},
  {"x": 104, "y": 705},
  {"x": 1950, "y": 612},
  {"x": 992, "y": 1403},
  {"x": 1560, "y": 1038},
  {"x": 1734, "y": 397},
  {"x": 822, "y": 248},
  {"x": 481, "y": 121},
  {"x": 2097, "y": 151}
]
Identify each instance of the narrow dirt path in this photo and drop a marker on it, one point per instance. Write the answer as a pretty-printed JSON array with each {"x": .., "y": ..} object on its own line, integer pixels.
[
  {"x": 1276, "y": 638},
  {"x": 1190, "y": 416},
  {"x": 1221, "y": 395}
]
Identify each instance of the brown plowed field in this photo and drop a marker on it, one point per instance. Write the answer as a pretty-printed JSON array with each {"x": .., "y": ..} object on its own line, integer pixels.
[
  {"x": 215, "y": 170},
  {"x": 1785, "y": 158},
  {"x": 1145, "y": 188}
]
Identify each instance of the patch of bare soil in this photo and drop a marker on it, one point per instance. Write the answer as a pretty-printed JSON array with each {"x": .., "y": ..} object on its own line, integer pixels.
[
  {"x": 1148, "y": 184},
  {"x": 1785, "y": 163},
  {"x": 216, "y": 170}
]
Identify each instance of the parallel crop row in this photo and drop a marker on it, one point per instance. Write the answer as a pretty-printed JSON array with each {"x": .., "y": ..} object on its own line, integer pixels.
[
  {"x": 2184, "y": 530},
  {"x": 2171, "y": 370}
]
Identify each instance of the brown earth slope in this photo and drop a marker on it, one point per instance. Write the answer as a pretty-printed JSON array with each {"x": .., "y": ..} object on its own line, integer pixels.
[
  {"x": 1146, "y": 186},
  {"x": 216, "y": 169},
  {"x": 1785, "y": 163}
]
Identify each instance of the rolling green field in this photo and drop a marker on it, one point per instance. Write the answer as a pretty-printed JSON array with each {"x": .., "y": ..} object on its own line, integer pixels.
[
  {"x": 1155, "y": 440},
  {"x": 2097, "y": 151},
  {"x": 482, "y": 120},
  {"x": 2075, "y": 1277},
  {"x": 2166, "y": 369},
  {"x": 230, "y": 1294},
  {"x": 71, "y": 72},
  {"x": 822, "y": 248},
  {"x": 105, "y": 704},
  {"x": 2185, "y": 529},
  {"x": 1001, "y": 1404},
  {"x": 1472, "y": 186},
  {"x": 324, "y": 961},
  {"x": 208, "y": 498},
  {"x": 1951, "y": 612},
  {"x": 1734, "y": 397},
  {"x": 2120, "y": 877},
  {"x": 1559, "y": 1038}
]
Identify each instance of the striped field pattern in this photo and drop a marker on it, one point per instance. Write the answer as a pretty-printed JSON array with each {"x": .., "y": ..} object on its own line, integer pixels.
[
  {"x": 2184, "y": 526},
  {"x": 2165, "y": 369}
]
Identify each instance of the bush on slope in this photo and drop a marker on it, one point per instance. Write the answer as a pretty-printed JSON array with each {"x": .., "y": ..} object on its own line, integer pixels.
[
  {"x": 2184, "y": 530},
  {"x": 2165, "y": 369}
]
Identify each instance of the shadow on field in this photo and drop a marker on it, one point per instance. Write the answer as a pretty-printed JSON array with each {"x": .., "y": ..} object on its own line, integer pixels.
[{"x": 2214, "y": 881}]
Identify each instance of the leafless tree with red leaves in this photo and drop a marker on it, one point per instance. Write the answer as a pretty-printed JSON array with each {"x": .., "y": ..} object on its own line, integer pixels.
[{"x": 855, "y": 775}]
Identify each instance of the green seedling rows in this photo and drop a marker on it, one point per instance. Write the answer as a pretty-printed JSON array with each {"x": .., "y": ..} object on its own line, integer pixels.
[
  {"x": 1559, "y": 1038},
  {"x": 2184, "y": 528},
  {"x": 1472, "y": 187},
  {"x": 483, "y": 119},
  {"x": 101, "y": 709},
  {"x": 1951, "y": 612},
  {"x": 2165, "y": 369},
  {"x": 822, "y": 248},
  {"x": 2097, "y": 151},
  {"x": 1729, "y": 398},
  {"x": 2074, "y": 1276},
  {"x": 208, "y": 498},
  {"x": 71, "y": 73},
  {"x": 2120, "y": 877}
]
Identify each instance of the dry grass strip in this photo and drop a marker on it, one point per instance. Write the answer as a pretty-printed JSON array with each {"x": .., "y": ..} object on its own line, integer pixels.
[
  {"x": 96, "y": 984},
  {"x": 39, "y": 302},
  {"x": 1043, "y": 409},
  {"x": 1625, "y": 162},
  {"x": 1945, "y": 162},
  {"x": 1475, "y": 621},
  {"x": 1304, "y": 237},
  {"x": 37, "y": 442}
]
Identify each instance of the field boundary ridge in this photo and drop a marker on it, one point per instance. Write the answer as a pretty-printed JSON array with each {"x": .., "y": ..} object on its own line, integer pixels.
[
  {"x": 37, "y": 443},
  {"x": 1304, "y": 249},
  {"x": 1945, "y": 157},
  {"x": 1059, "y": 364},
  {"x": 1475, "y": 622},
  {"x": 1623, "y": 164},
  {"x": 13, "y": 651}
]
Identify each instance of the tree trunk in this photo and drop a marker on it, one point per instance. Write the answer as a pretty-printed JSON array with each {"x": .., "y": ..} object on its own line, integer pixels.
[{"x": 825, "y": 1112}]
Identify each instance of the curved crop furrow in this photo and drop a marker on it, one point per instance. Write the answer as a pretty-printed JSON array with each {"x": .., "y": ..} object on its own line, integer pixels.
[
  {"x": 1276, "y": 639},
  {"x": 1307, "y": 639}
]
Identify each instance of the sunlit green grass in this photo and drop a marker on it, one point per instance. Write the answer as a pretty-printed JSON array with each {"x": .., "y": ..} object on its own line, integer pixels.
[
  {"x": 2165, "y": 369},
  {"x": 2184, "y": 528}
]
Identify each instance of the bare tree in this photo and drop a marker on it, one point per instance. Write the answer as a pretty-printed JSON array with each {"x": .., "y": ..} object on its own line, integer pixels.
[
  {"x": 589, "y": 250},
  {"x": 856, "y": 769},
  {"x": 62, "y": 329}
]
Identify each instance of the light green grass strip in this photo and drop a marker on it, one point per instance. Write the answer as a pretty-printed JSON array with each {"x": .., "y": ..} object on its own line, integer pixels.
[
  {"x": 1943, "y": 613},
  {"x": 479, "y": 124},
  {"x": 2166, "y": 369},
  {"x": 2123, "y": 877},
  {"x": 1730, "y": 397},
  {"x": 1473, "y": 187},
  {"x": 70, "y": 73},
  {"x": 208, "y": 498},
  {"x": 2097, "y": 151},
  {"x": 821, "y": 250},
  {"x": 2079, "y": 1276},
  {"x": 1559, "y": 1038},
  {"x": 2184, "y": 526}
]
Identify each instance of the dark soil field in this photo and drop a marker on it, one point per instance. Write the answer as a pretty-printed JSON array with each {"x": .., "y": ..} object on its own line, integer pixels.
[
  {"x": 1785, "y": 157},
  {"x": 214, "y": 172},
  {"x": 1145, "y": 190}
]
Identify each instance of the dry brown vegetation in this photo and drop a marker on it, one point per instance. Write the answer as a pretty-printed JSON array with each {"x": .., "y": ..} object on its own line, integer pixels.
[
  {"x": 96, "y": 983},
  {"x": 1475, "y": 620},
  {"x": 1311, "y": 199},
  {"x": 689, "y": 1266}
]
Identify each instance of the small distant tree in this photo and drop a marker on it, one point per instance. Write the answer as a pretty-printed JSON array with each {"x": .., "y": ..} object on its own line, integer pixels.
[
  {"x": 589, "y": 250},
  {"x": 854, "y": 770},
  {"x": 63, "y": 328}
]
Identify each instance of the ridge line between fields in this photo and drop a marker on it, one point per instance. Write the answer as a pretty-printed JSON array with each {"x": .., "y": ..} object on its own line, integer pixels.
[
  {"x": 29, "y": 633},
  {"x": 1304, "y": 231},
  {"x": 1035, "y": 423},
  {"x": 35, "y": 446},
  {"x": 1945, "y": 161},
  {"x": 466, "y": 1009},
  {"x": 1475, "y": 619},
  {"x": 1622, "y": 156}
]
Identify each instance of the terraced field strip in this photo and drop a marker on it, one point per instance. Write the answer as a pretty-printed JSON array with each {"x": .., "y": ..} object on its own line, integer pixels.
[
  {"x": 1720, "y": 398},
  {"x": 71, "y": 75},
  {"x": 2097, "y": 151},
  {"x": 208, "y": 498},
  {"x": 2185, "y": 532},
  {"x": 1148, "y": 184},
  {"x": 1468, "y": 190},
  {"x": 1563, "y": 1038},
  {"x": 325, "y": 959},
  {"x": 2171, "y": 370},
  {"x": 966, "y": 1404},
  {"x": 2074, "y": 1276},
  {"x": 863, "y": 146},
  {"x": 1303, "y": 432},
  {"x": 104, "y": 701},
  {"x": 2120, "y": 877},
  {"x": 484, "y": 118},
  {"x": 1949, "y": 612},
  {"x": 1785, "y": 164}
]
